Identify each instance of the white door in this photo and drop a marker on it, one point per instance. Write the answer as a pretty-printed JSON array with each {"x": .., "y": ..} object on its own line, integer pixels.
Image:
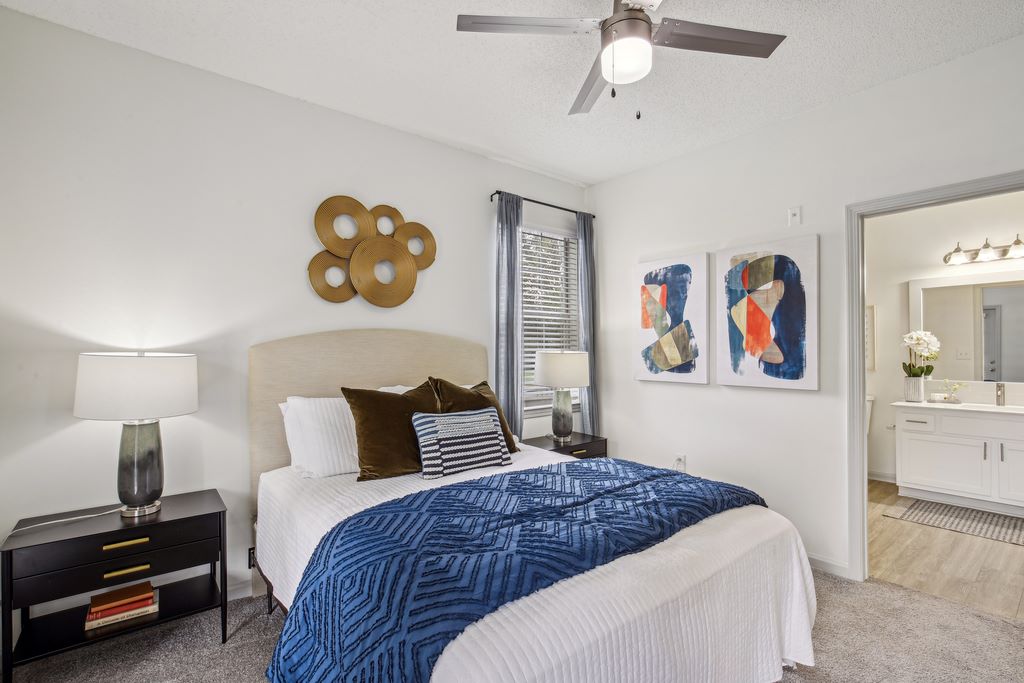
[
  {"x": 993, "y": 342},
  {"x": 945, "y": 463},
  {"x": 1011, "y": 471}
]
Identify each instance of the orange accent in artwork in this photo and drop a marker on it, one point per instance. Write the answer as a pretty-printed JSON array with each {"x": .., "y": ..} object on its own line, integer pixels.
[
  {"x": 745, "y": 276},
  {"x": 645, "y": 293},
  {"x": 759, "y": 330}
]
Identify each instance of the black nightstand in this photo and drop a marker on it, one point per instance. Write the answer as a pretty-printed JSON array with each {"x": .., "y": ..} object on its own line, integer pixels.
[
  {"x": 581, "y": 445},
  {"x": 69, "y": 558}
]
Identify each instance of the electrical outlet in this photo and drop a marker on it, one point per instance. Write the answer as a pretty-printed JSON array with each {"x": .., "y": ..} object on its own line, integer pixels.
[
  {"x": 962, "y": 354},
  {"x": 795, "y": 215},
  {"x": 252, "y": 557},
  {"x": 681, "y": 463}
]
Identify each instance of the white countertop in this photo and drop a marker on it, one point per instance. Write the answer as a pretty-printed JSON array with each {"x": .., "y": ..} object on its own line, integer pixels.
[{"x": 963, "y": 407}]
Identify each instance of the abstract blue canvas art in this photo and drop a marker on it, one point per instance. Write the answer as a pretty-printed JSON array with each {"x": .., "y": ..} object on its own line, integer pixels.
[
  {"x": 672, "y": 337},
  {"x": 768, "y": 315}
]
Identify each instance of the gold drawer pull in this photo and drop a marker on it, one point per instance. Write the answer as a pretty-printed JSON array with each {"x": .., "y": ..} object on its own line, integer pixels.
[
  {"x": 125, "y": 544},
  {"x": 129, "y": 570},
  {"x": 580, "y": 452}
]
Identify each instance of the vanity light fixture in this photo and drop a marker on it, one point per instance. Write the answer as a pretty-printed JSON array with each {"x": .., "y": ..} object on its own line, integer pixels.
[{"x": 985, "y": 254}]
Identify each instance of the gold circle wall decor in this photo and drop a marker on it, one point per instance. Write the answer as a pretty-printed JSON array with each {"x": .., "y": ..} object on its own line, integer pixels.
[
  {"x": 358, "y": 256},
  {"x": 364, "y": 261},
  {"x": 317, "y": 269},
  {"x": 385, "y": 211},
  {"x": 340, "y": 205},
  {"x": 408, "y": 231}
]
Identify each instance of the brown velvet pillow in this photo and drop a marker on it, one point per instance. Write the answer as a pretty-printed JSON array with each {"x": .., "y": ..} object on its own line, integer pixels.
[
  {"x": 452, "y": 398},
  {"x": 387, "y": 442}
]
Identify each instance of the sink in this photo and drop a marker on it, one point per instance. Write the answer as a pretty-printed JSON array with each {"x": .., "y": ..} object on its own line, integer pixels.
[{"x": 988, "y": 407}]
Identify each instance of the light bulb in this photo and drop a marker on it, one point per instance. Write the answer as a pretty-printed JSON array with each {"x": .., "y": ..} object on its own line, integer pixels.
[
  {"x": 628, "y": 56},
  {"x": 1016, "y": 249},
  {"x": 957, "y": 257},
  {"x": 987, "y": 253}
]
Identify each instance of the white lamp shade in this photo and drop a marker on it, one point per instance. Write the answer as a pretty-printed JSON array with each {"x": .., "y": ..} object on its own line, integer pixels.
[
  {"x": 132, "y": 386},
  {"x": 562, "y": 369}
]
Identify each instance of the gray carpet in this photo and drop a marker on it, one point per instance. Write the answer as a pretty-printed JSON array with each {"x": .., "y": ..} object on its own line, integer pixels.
[{"x": 864, "y": 632}]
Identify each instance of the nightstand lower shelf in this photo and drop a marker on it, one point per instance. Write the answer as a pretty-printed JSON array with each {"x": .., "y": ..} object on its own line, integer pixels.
[{"x": 50, "y": 634}]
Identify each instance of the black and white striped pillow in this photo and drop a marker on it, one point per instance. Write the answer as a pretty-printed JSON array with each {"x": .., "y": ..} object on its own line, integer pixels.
[{"x": 456, "y": 442}]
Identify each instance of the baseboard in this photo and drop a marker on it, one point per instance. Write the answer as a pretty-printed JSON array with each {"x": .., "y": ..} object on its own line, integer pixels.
[
  {"x": 241, "y": 589},
  {"x": 840, "y": 569},
  {"x": 882, "y": 476}
]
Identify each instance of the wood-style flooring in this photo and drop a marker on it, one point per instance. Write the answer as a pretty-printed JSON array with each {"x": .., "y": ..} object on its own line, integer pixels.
[{"x": 980, "y": 573}]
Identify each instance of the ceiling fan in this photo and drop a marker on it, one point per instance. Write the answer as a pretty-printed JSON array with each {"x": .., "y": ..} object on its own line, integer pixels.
[{"x": 627, "y": 41}]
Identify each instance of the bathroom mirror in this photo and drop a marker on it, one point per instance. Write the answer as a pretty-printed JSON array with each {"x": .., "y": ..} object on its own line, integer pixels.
[{"x": 979, "y": 319}]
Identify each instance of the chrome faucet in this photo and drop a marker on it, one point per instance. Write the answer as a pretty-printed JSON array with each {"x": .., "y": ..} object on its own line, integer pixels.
[{"x": 1000, "y": 394}]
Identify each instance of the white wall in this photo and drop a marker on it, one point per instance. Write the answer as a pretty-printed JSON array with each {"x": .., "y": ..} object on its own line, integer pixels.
[
  {"x": 145, "y": 204},
  {"x": 955, "y": 122},
  {"x": 909, "y": 246},
  {"x": 1011, "y": 299}
]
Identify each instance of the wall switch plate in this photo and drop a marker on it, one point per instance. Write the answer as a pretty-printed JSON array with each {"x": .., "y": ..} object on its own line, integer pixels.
[
  {"x": 796, "y": 215},
  {"x": 963, "y": 355},
  {"x": 680, "y": 463}
]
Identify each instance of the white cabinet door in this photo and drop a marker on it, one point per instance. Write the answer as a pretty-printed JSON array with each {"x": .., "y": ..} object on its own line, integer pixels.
[
  {"x": 1011, "y": 471},
  {"x": 945, "y": 463}
]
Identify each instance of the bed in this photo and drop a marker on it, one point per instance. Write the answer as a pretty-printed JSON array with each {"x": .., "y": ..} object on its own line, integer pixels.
[{"x": 728, "y": 599}]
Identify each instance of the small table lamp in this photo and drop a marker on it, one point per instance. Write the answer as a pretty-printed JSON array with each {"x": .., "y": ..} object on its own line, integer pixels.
[
  {"x": 562, "y": 370},
  {"x": 137, "y": 389}
]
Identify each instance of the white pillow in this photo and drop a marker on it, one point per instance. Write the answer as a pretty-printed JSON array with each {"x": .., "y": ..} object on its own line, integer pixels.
[{"x": 321, "y": 435}]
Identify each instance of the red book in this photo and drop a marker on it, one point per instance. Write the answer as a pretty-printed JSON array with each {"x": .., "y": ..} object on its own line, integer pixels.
[{"x": 93, "y": 616}]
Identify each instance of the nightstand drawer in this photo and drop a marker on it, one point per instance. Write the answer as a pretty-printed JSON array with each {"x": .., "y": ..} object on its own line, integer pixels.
[
  {"x": 89, "y": 549},
  {"x": 52, "y": 585},
  {"x": 597, "y": 449}
]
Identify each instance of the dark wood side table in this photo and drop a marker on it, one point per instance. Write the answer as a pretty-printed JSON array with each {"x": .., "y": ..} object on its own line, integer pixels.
[
  {"x": 580, "y": 445},
  {"x": 69, "y": 558}
]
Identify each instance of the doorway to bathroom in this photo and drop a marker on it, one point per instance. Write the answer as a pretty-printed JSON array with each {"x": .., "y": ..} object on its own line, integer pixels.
[{"x": 943, "y": 376}]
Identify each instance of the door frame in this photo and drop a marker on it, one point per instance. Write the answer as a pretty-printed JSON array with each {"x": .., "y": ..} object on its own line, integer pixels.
[{"x": 857, "y": 461}]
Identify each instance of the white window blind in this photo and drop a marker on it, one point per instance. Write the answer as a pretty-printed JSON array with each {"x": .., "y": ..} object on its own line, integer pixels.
[{"x": 550, "y": 304}]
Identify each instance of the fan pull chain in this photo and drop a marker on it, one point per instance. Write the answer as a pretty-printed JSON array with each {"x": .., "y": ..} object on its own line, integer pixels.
[
  {"x": 639, "y": 97},
  {"x": 614, "y": 32}
]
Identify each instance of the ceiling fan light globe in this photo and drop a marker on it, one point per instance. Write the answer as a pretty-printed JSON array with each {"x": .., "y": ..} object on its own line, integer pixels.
[{"x": 626, "y": 60}]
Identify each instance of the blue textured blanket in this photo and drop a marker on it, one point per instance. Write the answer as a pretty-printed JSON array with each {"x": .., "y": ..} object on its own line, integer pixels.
[{"x": 388, "y": 588}]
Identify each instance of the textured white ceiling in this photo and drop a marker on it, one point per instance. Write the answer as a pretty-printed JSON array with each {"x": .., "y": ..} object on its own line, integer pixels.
[{"x": 401, "y": 63}]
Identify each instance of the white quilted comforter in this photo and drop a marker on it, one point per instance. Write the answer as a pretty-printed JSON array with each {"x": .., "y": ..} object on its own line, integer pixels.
[{"x": 730, "y": 599}]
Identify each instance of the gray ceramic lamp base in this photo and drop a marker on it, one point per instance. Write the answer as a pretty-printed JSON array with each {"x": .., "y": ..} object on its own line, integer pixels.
[
  {"x": 561, "y": 417},
  {"x": 140, "y": 468}
]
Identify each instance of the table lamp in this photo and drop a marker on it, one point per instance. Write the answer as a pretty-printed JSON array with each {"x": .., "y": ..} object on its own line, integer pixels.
[
  {"x": 562, "y": 370},
  {"x": 137, "y": 389}
]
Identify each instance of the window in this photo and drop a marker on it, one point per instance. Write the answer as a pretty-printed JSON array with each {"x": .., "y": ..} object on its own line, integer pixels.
[{"x": 548, "y": 268}]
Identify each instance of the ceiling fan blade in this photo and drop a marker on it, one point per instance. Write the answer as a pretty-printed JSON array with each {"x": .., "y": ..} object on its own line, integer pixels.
[
  {"x": 591, "y": 90},
  {"x": 536, "y": 25},
  {"x": 687, "y": 35}
]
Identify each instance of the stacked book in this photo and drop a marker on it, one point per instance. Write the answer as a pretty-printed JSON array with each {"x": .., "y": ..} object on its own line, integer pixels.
[{"x": 123, "y": 604}]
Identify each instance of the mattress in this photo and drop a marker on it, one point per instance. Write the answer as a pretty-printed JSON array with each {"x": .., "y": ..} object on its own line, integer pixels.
[{"x": 728, "y": 599}]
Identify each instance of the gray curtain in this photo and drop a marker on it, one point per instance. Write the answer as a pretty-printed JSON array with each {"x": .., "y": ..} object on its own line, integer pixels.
[
  {"x": 508, "y": 346},
  {"x": 588, "y": 308}
]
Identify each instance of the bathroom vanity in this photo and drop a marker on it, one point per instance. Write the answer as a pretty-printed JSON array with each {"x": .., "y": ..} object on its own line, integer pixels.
[{"x": 968, "y": 454}]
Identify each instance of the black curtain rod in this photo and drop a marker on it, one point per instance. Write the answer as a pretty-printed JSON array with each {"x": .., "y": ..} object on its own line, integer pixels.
[{"x": 537, "y": 201}]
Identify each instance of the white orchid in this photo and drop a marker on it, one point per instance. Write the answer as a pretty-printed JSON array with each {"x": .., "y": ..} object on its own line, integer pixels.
[{"x": 923, "y": 346}]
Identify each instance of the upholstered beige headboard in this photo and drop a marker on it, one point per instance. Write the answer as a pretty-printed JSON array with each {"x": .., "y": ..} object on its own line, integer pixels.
[{"x": 320, "y": 364}]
